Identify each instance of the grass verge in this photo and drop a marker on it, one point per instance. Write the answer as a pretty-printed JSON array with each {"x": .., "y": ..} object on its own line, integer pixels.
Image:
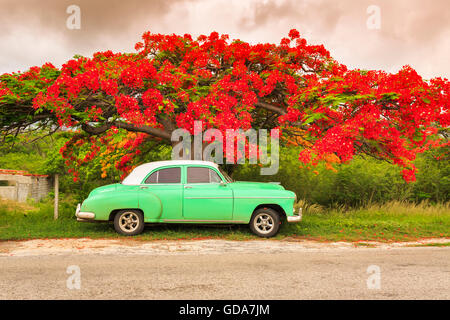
[
  {"x": 385, "y": 223},
  {"x": 447, "y": 244}
]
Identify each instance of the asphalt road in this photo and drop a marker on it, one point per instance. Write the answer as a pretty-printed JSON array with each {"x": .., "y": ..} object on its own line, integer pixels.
[{"x": 322, "y": 273}]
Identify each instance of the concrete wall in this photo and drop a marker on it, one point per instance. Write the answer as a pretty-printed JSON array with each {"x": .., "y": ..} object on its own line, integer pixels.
[
  {"x": 26, "y": 187},
  {"x": 40, "y": 188},
  {"x": 8, "y": 192}
]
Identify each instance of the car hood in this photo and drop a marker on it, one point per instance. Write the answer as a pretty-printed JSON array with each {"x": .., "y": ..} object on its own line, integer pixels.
[{"x": 256, "y": 185}]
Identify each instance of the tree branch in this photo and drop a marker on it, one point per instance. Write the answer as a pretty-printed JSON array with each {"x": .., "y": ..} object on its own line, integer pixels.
[
  {"x": 279, "y": 111},
  {"x": 127, "y": 126},
  {"x": 271, "y": 107}
]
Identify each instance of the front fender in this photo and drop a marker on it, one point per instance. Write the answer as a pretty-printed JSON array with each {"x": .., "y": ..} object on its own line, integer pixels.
[{"x": 246, "y": 201}]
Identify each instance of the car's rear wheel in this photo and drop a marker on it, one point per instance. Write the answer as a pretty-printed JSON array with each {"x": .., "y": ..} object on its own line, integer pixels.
[
  {"x": 129, "y": 222},
  {"x": 265, "y": 222}
]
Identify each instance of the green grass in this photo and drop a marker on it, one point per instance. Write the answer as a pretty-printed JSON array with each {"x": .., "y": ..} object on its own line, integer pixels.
[
  {"x": 394, "y": 221},
  {"x": 434, "y": 244}
]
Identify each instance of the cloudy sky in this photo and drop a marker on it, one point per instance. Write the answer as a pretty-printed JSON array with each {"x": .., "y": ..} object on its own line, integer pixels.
[{"x": 414, "y": 32}]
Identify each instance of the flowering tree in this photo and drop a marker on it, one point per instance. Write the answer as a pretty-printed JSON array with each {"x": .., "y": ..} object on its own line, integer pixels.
[{"x": 119, "y": 100}]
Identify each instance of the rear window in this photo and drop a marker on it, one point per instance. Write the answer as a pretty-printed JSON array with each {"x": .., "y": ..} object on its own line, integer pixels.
[{"x": 167, "y": 175}]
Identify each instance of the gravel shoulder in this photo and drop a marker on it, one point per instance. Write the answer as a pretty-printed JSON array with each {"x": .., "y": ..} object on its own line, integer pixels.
[{"x": 186, "y": 247}]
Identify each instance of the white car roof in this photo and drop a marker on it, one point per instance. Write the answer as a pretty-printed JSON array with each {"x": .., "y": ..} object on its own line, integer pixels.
[{"x": 139, "y": 173}]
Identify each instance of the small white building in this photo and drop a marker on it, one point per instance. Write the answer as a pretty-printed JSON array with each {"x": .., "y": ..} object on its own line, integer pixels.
[{"x": 21, "y": 185}]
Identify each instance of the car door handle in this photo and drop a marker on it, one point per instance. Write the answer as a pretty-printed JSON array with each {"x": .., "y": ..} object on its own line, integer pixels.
[
  {"x": 144, "y": 187},
  {"x": 187, "y": 187}
]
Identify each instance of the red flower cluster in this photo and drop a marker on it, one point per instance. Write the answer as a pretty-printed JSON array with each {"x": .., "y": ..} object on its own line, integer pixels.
[{"x": 231, "y": 84}]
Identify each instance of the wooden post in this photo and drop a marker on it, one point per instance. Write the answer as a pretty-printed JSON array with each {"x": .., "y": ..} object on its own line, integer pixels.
[
  {"x": 17, "y": 191},
  {"x": 55, "y": 214}
]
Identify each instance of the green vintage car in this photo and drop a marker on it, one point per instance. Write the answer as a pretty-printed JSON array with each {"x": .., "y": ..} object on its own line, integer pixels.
[{"x": 188, "y": 191}]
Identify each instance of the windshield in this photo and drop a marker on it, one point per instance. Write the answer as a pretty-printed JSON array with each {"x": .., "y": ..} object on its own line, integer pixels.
[{"x": 225, "y": 175}]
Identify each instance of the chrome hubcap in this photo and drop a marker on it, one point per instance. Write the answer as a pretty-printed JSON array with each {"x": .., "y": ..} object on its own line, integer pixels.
[
  {"x": 264, "y": 223},
  {"x": 129, "y": 221}
]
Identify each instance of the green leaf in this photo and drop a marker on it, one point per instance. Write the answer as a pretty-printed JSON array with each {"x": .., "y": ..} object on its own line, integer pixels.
[
  {"x": 426, "y": 100},
  {"x": 308, "y": 120},
  {"x": 313, "y": 117},
  {"x": 11, "y": 138}
]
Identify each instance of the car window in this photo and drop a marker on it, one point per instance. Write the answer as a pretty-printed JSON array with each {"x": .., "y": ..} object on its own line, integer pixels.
[
  {"x": 214, "y": 177},
  {"x": 153, "y": 178},
  {"x": 167, "y": 175},
  {"x": 227, "y": 177},
  {"x": 202, "y": 175}
]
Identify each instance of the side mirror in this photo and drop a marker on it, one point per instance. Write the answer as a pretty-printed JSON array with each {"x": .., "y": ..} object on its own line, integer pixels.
[{"x": 222, "y": 183}]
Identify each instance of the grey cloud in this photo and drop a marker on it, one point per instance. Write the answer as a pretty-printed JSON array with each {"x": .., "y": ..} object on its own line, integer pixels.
[
  {"x": 413, "y": 32},
  {"x": 299, "y": 11},
  {"x": 33, "y": 32},
  {"x": 99, "y": 18}
]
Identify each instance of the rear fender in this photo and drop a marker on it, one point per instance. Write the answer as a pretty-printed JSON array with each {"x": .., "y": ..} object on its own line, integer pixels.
[
  {"x": 102, "y": 204},
  {"x": 150, "y": 204}
]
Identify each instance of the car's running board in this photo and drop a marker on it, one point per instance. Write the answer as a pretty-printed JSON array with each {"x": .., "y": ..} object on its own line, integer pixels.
[{"x": 211, "y": 221}]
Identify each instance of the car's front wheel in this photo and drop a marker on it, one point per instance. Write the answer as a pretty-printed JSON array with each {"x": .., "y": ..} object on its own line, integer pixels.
[
  {"x": 129, "y": 222},
  {"x": 265, "y": 222}
]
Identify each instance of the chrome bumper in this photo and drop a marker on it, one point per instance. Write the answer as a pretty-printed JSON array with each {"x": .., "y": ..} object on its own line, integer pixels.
[
  {"x": 297, "y": 217},
  {"x": 83, "y": 216}
]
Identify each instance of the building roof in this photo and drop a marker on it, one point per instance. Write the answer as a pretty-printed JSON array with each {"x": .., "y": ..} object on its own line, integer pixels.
[
  {"x": 138, "y": 173},
  {"x": 21, "y": 173}
]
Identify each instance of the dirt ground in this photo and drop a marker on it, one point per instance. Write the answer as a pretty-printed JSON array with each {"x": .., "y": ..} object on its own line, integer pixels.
[{"x": 130, "y": 246}]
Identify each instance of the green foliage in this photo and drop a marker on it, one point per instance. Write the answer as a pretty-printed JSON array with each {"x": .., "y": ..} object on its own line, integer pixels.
[
  {"x": 24, "y": 154},
  {"x": 433, "y": 178},
  {"x": 361, "y": 182},
  {"x": 42, "y": 157},
  {"x": 393, "y": 221}
]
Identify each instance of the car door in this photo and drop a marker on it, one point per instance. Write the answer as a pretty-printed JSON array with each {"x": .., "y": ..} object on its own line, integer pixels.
[
  {"x": 166, "y": 184},
  {"x": 205, "y": 196}
]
